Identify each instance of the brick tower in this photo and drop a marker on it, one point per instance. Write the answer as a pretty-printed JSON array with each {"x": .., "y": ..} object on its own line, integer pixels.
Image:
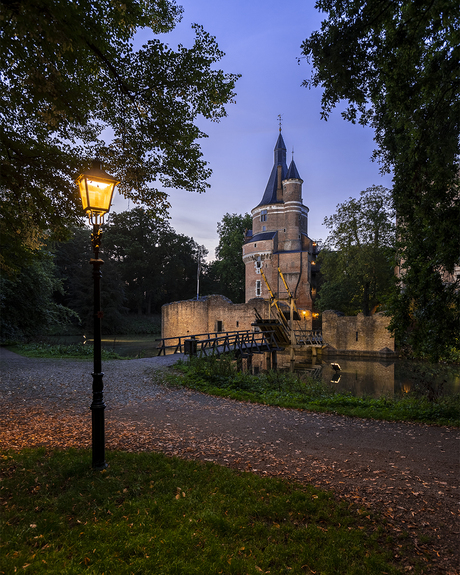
[{"x": 279, "y": 239}]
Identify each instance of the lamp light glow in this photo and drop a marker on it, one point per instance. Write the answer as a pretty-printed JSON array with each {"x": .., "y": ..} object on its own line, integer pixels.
[{"x": 96, "y": 191}]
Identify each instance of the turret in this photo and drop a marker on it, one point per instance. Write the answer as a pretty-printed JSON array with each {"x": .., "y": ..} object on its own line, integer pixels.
[
  {"x": 279, "y": 236},
  {"x": 292, "y": 196}
]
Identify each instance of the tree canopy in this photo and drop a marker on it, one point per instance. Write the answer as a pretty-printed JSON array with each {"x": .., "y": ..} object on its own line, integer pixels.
[
  {"x": 396, "y": 65},
  {"x": 156, "y": 264},
  {"x": 27, "y": 310},
  {"x": 228, "y": 268},
  {"x": 357, "y": 261},
  {"x": 146, "y": 264},
  {"x": 73, "y": 86}
]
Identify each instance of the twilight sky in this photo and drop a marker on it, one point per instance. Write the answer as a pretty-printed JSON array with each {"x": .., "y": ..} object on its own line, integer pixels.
[{"x": 261, "y": 40}]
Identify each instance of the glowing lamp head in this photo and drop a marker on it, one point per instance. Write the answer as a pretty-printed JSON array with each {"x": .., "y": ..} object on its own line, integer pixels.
[{"x": 96, "y": 191}]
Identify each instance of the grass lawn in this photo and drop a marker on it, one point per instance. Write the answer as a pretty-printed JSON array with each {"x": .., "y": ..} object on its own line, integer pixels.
[{"x": 150, "y": 514}]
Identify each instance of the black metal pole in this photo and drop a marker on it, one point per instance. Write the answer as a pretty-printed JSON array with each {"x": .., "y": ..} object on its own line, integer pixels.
[{"x": 97, "y": 406}]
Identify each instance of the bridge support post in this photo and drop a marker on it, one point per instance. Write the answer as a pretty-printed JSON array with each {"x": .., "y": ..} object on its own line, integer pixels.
[
  {"x": 292, "y": 355},
  {"x": 249, "y": 363}
]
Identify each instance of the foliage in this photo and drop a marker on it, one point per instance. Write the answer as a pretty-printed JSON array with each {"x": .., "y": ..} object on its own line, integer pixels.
[
  {"x": 357, "y": 263},
  {"x": 426, "y": 308},
  {"x": 72, "y": 259},
  {"x": 27, "y": 307},
  {"x": 149, "y": 513},
  {"x": 146, "y": 264},
  {"x": 228, "y": 268},
  {"x": 220, "y": 377},
  {"x": 157, "y": 265},
  {"x": 74, "y": 85},
  {"x": 396, "y": 63}
]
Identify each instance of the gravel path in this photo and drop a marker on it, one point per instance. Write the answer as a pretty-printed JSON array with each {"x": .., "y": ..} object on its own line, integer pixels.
[{"x": 409, "y": 473}]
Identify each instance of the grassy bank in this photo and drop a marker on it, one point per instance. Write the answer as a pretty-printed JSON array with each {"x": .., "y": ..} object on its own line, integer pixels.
[
  {"x": 61, "y": 351},
  {"x": 220, "y": 377},
  {"x": 152, "y": 514}
]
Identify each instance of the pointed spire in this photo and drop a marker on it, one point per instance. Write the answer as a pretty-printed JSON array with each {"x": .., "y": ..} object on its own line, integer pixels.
[
  {"x": 270, "y": 195},
  {"x": 292, "y": 173}
]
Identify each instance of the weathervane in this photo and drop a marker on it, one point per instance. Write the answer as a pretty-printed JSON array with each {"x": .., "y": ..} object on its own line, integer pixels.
[{"x": 279, "y": 120}]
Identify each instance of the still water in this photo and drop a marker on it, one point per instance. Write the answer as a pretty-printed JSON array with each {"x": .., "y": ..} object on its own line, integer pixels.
[
  {"x": 374, "y": 378},
  {"x": 358, "y": 376}
]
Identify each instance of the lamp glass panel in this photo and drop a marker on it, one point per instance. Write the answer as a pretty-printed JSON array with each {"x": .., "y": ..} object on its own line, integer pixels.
[{"x": 96, "y": 195}]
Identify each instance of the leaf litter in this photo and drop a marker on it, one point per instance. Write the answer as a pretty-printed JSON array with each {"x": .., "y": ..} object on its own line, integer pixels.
[{"x": 419, "y": 511}]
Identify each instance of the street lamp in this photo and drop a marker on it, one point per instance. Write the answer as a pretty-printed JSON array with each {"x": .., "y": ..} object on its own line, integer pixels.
[{"x": 96, "y": 191}]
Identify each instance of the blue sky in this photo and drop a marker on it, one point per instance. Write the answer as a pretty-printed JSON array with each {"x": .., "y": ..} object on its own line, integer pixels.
[{"x": 261, "y": 39}]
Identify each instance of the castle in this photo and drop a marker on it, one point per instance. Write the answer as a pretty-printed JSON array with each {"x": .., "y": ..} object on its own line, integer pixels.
[
  {"x": 280, "y": 260},
  {"x": 279, "y": 239}
]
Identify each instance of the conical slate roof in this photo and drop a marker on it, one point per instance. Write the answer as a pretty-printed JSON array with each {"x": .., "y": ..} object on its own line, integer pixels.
[
  {"x": 269, "y": 196},
  {"x": 292, "y": 173}
]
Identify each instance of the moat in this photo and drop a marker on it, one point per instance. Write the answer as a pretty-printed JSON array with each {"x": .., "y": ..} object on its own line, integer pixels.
[{"x": 368, "y": 377}]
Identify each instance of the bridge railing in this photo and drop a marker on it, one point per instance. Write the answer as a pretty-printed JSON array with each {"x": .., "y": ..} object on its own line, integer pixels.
[
  {"x": 221, "y": 342},
  {"x": 176, "y": 344},
  {"x": 309, "y": 337}
]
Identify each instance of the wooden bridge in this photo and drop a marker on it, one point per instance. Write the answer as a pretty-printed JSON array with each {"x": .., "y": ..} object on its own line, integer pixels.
[{"x": 241, "y": 343}]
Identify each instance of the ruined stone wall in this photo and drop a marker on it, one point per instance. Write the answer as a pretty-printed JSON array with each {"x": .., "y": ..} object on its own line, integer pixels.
[
  {"x": 359, "y": 334},
  {"x": 208, "y": 314}
]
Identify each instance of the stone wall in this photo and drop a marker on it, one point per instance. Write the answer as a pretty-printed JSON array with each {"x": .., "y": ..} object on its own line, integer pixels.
[
  {"x": 208, "y": 314},
  {"x": 357, "y": 334}
]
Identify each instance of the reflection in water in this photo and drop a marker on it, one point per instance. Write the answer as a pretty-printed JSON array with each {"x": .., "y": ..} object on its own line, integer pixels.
[
  {"x": 371, "y": 378},
  {"x": 388, "y": 377},
  {"x": 336, "y": 378}
]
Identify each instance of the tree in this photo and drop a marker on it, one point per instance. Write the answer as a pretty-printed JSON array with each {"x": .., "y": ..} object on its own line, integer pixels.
[
  {"x": 156, "y": 264},
  {"x": 27, "y": 305},
  {"x": 396, "y": 63},
  {"x": 358, "y": 262},
  {"x": 73, "y": 86},
  {"x": 228, "y": 268},
  {"x": 73, "y": 269}
]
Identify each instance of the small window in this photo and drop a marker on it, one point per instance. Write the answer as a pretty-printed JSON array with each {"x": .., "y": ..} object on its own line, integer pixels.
[
  {"x": 264, "y": 229},
  {"x": 258, "y": 288},
  {"x": 263, "y": 216},
  {"x": 258, "y": 265},
  {"x": 356, "y": 336},
  {"x": 219, "y": 325}
]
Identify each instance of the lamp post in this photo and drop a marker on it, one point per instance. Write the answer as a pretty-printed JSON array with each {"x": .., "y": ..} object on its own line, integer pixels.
[{"x": 96, "y": 190}]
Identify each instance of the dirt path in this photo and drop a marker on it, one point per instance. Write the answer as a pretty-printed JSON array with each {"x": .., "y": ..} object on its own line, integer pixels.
[{"x": 407, "y": 473}]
